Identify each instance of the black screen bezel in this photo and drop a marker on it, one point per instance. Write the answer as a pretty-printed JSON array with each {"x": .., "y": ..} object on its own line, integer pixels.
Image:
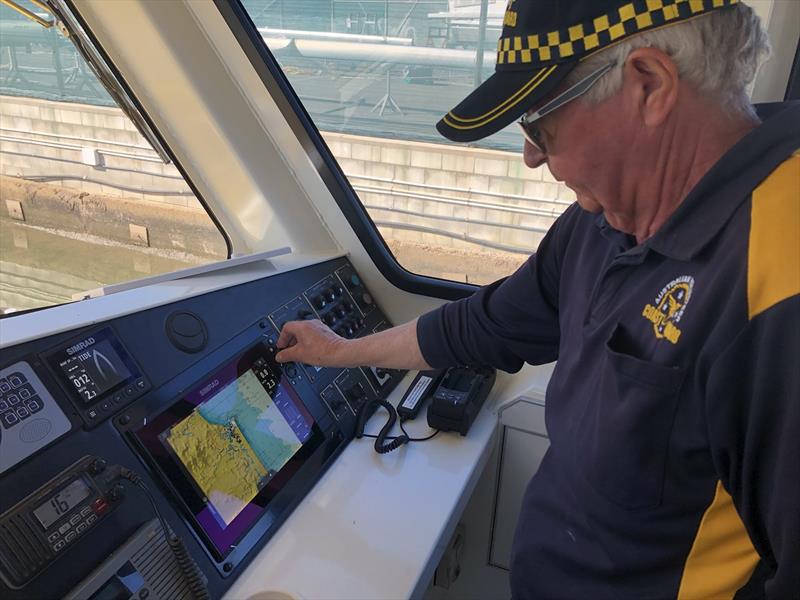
[{"x": 180, "y": 482}]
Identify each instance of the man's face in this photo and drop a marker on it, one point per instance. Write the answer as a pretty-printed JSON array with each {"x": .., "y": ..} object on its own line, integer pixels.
[{"x": 584, "y": 143}]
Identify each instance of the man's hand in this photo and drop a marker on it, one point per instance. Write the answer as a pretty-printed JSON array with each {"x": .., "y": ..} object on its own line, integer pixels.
[{"x": 310, "y": 343}]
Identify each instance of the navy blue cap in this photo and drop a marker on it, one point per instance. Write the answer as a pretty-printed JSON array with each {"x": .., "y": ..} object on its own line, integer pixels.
[{"x": 542, "y": 41}]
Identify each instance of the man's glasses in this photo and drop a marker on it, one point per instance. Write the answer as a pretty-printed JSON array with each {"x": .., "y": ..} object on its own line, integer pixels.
[{"x": 527, "y": 123}]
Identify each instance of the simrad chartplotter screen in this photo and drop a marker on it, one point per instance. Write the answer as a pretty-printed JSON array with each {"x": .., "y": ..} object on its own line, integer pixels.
[{"x": 231, "y": 443}]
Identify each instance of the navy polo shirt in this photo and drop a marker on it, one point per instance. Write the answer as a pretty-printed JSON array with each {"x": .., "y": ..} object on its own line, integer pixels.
[{"x": 674, "y": 408}]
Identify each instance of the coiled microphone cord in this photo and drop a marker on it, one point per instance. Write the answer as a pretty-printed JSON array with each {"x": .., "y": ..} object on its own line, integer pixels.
[{"x": 381, "y": 447}]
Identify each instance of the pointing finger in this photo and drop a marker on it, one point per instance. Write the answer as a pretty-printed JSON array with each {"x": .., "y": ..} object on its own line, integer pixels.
[{"x": 287, "y": 337}]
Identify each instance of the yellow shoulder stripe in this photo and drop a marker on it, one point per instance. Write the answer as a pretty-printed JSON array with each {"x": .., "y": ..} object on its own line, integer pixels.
[
  {"x": 722, "y": 558},
  {"x": 773, "y": 264}
]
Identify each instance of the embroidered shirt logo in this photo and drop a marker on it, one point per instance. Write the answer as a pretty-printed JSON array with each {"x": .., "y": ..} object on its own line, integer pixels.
[{"x": 669, "y": 306}]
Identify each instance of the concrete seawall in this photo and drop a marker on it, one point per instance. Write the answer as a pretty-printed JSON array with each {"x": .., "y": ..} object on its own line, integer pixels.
[{"x": 428, "y": 194}]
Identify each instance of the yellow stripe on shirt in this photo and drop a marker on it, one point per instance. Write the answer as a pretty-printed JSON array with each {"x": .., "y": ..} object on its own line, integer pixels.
[
  {"x": 773, "y": 264},
  {"x": 722, "y": 558}
]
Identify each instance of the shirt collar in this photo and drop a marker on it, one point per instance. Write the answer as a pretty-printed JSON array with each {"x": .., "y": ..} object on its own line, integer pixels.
[{"x": 712, "y": 202}]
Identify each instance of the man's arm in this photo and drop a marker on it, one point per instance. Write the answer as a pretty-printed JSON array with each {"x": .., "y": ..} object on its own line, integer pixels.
[{"x": 313, "y": 343}]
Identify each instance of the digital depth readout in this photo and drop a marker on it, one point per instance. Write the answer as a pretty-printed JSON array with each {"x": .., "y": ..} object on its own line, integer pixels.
[
  {"x": 95, "y": 371},
  {"x": 62, "y": 502}
]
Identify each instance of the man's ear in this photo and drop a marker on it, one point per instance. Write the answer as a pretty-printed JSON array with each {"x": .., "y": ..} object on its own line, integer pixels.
[{"x": 651, "y": 77}]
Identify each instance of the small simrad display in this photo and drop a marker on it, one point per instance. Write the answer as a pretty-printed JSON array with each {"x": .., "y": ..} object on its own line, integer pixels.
[
  {"x": 231, "y": 443},
  {"x": 95, "y": 366}
]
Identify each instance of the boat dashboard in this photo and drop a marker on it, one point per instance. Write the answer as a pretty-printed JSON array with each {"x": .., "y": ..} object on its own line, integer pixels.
[{"x": 183, "y": 404}]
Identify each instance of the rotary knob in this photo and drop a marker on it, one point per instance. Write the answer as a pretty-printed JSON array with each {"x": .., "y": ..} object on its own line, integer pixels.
[
  {"x": 116, "y": 493},
  {"x": 98, "y": 466}
]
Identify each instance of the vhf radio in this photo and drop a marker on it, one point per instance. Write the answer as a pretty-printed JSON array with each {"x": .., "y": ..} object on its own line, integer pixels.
[{"x": 36, "y": 531}]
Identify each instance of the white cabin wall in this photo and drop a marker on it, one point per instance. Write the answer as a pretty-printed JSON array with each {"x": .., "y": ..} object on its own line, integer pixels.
[{"x": 782, "y": 21}]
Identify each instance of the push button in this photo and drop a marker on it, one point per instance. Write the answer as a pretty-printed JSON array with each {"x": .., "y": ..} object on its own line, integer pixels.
[
  {"x": 34, "y": 405},
  {"x": 9, "y": 419}
]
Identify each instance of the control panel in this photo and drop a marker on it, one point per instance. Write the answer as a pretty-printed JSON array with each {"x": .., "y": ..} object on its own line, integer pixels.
[
  {"x": 188, "y": 401},
  {"x": 341, "y": 301}
]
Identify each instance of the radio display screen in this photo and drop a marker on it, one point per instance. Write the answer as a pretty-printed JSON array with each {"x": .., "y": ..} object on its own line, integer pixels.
[
  {"x": 94, "y": 366},
  {"x": 61, "y": 503},
  {"x": 231, "y": 443}
]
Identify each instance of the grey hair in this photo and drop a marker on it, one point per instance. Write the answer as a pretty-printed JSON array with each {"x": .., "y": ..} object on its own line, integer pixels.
[{"x": 718, "y": 53}]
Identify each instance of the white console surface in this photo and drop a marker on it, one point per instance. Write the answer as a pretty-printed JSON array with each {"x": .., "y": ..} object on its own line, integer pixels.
[{"x": 375, "y": 525}]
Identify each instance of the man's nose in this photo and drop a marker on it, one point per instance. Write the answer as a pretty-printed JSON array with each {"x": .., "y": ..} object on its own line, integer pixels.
[{"x": 532, "y": 155}]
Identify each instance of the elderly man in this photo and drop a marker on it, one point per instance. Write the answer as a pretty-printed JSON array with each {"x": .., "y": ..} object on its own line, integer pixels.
[{"x": 670, "y": 295}]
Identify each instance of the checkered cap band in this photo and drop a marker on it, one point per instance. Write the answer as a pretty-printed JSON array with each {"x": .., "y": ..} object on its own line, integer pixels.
[{"x": 583, "y": 38}]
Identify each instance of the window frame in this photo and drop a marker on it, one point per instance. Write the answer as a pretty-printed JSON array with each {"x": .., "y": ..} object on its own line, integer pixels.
[
  {"x": 142, "y": 114},
  {"x": 302, "y": 125},
  {"x": 137, "y": 105},
  {"x": 793, "y": 85}
]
